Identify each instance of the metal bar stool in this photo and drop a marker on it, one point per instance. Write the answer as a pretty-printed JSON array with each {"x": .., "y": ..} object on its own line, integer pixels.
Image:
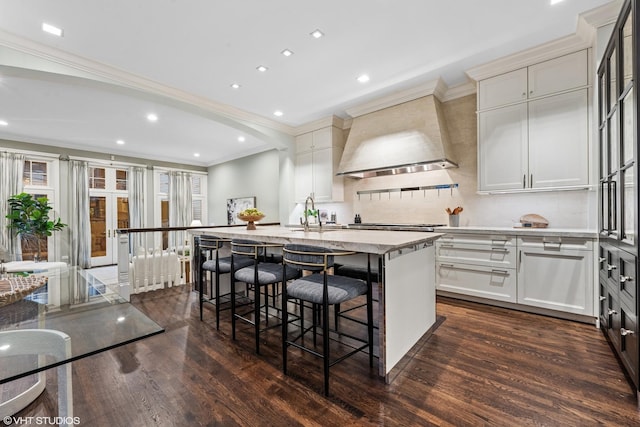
[
  {"x": 324, "y": 290},
  {"x": 209, "y": 249},
  {"x": 258, "y": 276}
]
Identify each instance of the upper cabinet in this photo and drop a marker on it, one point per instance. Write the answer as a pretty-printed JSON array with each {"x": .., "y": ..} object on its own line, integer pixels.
[
  {"x": 533, "y": 127},
  {"x": 317, "y": 158}
]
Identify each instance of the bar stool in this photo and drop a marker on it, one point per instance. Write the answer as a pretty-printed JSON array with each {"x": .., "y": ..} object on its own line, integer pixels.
[
  {"x": 324, "y": 290},
  {"x": 210, "y": 247},
  {"x": 369, "y": 273},
  {"x": 258, "y": 276}
]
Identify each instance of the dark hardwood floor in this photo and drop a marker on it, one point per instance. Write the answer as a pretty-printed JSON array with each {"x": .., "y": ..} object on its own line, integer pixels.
[{"x": 484, "y": 366}]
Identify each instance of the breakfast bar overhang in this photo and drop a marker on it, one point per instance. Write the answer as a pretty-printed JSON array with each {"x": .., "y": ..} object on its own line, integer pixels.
[{"x": 406, "y": 287}]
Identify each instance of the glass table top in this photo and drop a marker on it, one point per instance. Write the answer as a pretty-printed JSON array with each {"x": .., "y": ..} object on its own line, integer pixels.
[{"x": 86, "y": 309}]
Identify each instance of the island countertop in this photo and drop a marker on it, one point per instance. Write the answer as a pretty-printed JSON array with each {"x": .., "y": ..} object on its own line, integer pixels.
[{"x": 369, "y": 241}]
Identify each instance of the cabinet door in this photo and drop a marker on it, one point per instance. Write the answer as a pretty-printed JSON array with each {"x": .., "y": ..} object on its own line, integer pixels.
[
  {"x": 322, "y": 138},
  {"x": 558, "y": 74},
  {"x": 503, "y": 89},
  {"x": 304, "y": 143},
  {"x": 502, "y": 148},
  {"x": 556, "y": 279},
  {"x": 303, "y": 175},
  {"x": 558, "y": 141},
  {"x": 629, "y": 341},
  {"x": 322, "y": 174}
]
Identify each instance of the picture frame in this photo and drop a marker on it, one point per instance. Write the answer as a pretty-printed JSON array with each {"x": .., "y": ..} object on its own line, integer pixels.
[{"x": 237, "y": 205}]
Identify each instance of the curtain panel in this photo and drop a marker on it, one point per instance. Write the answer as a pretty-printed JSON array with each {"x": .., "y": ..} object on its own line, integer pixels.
[
  {"x": 136, "y": 189},
  {"x": 11, "y": 171},
  {"x": 180, "y": 205},
  {"x": 79, "y": 224}
]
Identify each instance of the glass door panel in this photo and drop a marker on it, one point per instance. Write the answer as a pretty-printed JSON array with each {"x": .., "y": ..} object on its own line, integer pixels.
[
  {"x": 626, "y": 133},
  {"x": 628, "y": 204},
  {"x": 98, "y": 219}
]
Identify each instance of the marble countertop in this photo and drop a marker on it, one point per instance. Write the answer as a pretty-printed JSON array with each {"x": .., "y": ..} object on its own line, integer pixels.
[
  {"x": 523, "y": 231},
  {"x": 367, "y": 241}
]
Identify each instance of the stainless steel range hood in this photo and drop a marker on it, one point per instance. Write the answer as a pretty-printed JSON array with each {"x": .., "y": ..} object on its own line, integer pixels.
[{"x": 405, "y": 138}]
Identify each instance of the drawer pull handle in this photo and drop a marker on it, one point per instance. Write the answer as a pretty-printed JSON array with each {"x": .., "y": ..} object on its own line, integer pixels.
[
  {"x": 446, "y": 245},
  {"x": 601, "y": 260},
  {"x": 494, "y": 271},
  {"x": 446, "y": 265},
  {"x": 611, "y": 312},
  {"x": 611, "y": 267},
  {"x": 624, "y": 332},
  {"x": 603, "y": 298},
  {"x": 625, "y": 279},
  {"x": 505, "y": 250}
]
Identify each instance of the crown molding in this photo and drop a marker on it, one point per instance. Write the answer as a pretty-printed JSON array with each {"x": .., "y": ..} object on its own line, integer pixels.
[
  {"x": 319, "y": 124},
  {"x": 584, "y": 37},
  {"x": 458, "y": 91},
  {"x": 103, "y": 72}
]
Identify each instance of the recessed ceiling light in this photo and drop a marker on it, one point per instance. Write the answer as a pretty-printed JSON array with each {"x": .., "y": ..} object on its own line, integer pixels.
[
  {"x": 317, "y": 34},
  {"x": 4, "y": 123},
  {"x": 287, "y": 52},
  {"x": 261, "y": 68},
  {"x": 196, "y": 154},
  {"x": 152, "y": 117},
  {"x": 4, "y": 347},
  {"x": 48, "y": 28},
  {"x": 363, "y": 78},
  {"x": 555, "y": 1},
  {"x": 235, "y": 86},
  {"x": 120, "y": 142},
  {"x": 278, "y": 113},
  {"x": 241, "y": 139},
  {"x": 121, "y": 319}
]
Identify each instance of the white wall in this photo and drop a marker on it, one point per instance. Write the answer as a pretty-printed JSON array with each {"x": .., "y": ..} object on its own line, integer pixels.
[{"x": 257, "y": 175}]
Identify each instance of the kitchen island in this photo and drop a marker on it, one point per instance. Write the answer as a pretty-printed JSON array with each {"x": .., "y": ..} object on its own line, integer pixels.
[{"x": 407, "y": 306}]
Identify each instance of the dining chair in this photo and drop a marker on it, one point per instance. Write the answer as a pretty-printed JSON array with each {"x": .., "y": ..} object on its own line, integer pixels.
[
  {"x": 257, "y": 277},
  {"x": 322, "y": 290}
]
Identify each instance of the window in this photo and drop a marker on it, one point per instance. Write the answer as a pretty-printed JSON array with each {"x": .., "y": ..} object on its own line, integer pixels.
[
  {"x": 121, "y": 179},
  {"x": 35, "y": 173},
  {"x": 198, "y": 195},
  {"x": 97, "y": 178}
]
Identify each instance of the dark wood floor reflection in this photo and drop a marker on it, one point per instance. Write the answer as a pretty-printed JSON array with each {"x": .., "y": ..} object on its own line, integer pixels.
[{"x": 483, "y": 366}]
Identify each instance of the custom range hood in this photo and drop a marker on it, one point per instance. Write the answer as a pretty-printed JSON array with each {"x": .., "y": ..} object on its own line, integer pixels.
[{"x": 404, "y": 138}]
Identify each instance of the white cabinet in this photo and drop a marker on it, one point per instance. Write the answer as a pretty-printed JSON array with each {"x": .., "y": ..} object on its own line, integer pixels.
[
  {"x": 552, "y": 273},
  {"x": 558, "y": 140},
  {"x": 502, "y": 155},
  {"x": 482, "y": 266},
  {"x": 556, "y": 273},
  {"x": 533, "y": 127},
  {"x": 317, "y": 158}
]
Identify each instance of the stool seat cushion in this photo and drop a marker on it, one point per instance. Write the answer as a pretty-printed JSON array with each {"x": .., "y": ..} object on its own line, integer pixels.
[
  {"x": 224, "y": 264},
  {"x": 267, "y": 273},
  {"x": 340, "y": 288}
]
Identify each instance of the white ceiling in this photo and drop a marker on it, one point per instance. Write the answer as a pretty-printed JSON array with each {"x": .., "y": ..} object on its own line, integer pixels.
[{"x": 193, "y": 50}]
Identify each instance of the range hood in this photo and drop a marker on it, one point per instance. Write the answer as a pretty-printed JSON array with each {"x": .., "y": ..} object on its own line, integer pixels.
[{"x": 404, "y": 138}]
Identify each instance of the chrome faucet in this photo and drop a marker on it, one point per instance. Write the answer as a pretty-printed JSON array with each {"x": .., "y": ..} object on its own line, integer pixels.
[{"x": 305, "y": 224}]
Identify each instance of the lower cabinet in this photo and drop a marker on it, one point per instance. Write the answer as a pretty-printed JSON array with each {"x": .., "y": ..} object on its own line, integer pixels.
[
  {"x": 553, "y": 273},
  {"x": 556, "y": 273},
  {"x": 618, "y": 305}
]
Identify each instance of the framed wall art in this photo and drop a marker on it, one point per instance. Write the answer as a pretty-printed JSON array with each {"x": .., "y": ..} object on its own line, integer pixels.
[{"x": 236, "y": 205}]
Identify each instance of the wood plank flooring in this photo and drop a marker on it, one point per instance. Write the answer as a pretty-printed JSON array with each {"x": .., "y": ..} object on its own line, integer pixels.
[{"x": 484, "y": 366}]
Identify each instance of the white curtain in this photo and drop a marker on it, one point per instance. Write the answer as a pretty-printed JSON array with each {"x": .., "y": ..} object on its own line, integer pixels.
[
  {"x": 79, "y": 223},
  {"x": 11, "y": 170},
  {"x": 136, "y": 187},
  {"x": 180, "y": 205}
]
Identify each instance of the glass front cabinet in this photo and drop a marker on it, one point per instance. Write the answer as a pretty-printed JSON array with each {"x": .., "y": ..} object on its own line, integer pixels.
[{"x": 617, "y": 118}]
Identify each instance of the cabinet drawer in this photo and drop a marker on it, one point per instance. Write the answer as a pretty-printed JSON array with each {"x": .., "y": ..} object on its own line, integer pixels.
[
  {"x": 490, "y": 256},
  {"x": 493, "y": 240},
  {"x": 483, "y": 282},
  {"x": 556, "y": 243},
  {"x": 613, "y": 314},
  {"x": 604, "y": 297},
  {"x": 629, "y": 342},
  {"x": 608, "y": 263}
]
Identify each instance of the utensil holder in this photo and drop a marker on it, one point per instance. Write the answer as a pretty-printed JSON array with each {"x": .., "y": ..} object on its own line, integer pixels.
[{"x": 454, "y": 220}]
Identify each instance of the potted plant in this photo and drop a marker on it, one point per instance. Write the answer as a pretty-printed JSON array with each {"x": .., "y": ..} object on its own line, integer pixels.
[{"x": 29, "y": 218}]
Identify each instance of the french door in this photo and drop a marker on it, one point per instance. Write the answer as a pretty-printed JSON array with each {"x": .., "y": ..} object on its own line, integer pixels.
[{"x": 108, "y": 211}]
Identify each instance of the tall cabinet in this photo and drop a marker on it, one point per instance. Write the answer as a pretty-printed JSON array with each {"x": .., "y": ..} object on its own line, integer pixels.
[{"x": 618, "y": 195}]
